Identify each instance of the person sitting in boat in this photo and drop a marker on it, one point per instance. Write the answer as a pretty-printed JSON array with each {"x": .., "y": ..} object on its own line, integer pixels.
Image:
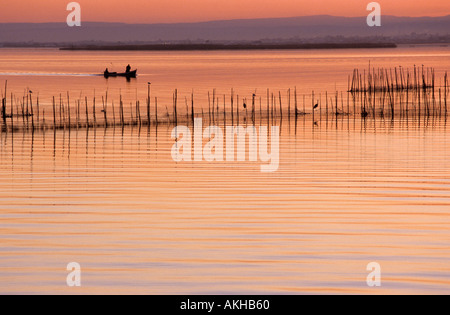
[{"x": 128, "y": 69}]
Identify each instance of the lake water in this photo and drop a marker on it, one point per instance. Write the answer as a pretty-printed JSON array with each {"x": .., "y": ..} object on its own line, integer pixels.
[
  {"x": 50, "y": 72},
  {"x": 347, "y": 191}
]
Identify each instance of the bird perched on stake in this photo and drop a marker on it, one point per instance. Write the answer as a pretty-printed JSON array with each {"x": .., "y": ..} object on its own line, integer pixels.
[{"x": 315, "y": 106}]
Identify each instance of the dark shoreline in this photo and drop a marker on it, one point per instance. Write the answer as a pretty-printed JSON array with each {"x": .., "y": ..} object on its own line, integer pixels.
[{"x": 192, "y": 47}]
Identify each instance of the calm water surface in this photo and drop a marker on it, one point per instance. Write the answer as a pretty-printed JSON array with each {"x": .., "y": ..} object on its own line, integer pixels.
[
  {"x": 49, "y": 72},
  {"x": 346, "y": 193}
]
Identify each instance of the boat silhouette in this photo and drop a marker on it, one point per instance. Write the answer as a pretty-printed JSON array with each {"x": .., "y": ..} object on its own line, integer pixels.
[{"x": 130, "y": 74}]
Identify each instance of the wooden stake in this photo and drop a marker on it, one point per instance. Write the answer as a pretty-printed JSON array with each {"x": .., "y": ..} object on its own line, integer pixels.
[
  {"x": 148, "y": 102},
  {"x": 87, "y": 112},
  {"x": 192, "y": 107},
  {"x": 54, "y": 113},
  {"x": 156, "y": 111}
]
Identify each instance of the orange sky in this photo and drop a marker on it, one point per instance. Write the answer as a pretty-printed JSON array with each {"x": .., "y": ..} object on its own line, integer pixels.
[{"x": 154, "y": 11}]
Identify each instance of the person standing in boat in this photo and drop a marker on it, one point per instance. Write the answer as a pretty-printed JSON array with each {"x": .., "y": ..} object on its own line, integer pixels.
[{"x": 128, "y": 69}]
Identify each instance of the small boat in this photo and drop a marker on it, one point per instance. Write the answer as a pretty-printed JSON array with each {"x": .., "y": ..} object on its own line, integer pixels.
[{"x": 131, "y": 74}]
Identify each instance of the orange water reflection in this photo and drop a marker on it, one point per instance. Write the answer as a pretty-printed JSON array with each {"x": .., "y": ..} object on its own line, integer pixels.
[{"x": 346, "y": 193}]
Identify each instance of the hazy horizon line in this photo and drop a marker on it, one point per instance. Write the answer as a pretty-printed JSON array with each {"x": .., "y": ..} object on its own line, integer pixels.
[{"x": 229, "y": 20}]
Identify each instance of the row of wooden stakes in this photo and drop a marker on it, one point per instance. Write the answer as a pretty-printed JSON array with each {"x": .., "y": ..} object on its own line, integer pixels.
[{"x": 27, "y": 113}]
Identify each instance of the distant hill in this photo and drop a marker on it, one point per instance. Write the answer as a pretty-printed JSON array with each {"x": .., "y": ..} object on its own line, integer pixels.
[{"x": 307, "y": 29}]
